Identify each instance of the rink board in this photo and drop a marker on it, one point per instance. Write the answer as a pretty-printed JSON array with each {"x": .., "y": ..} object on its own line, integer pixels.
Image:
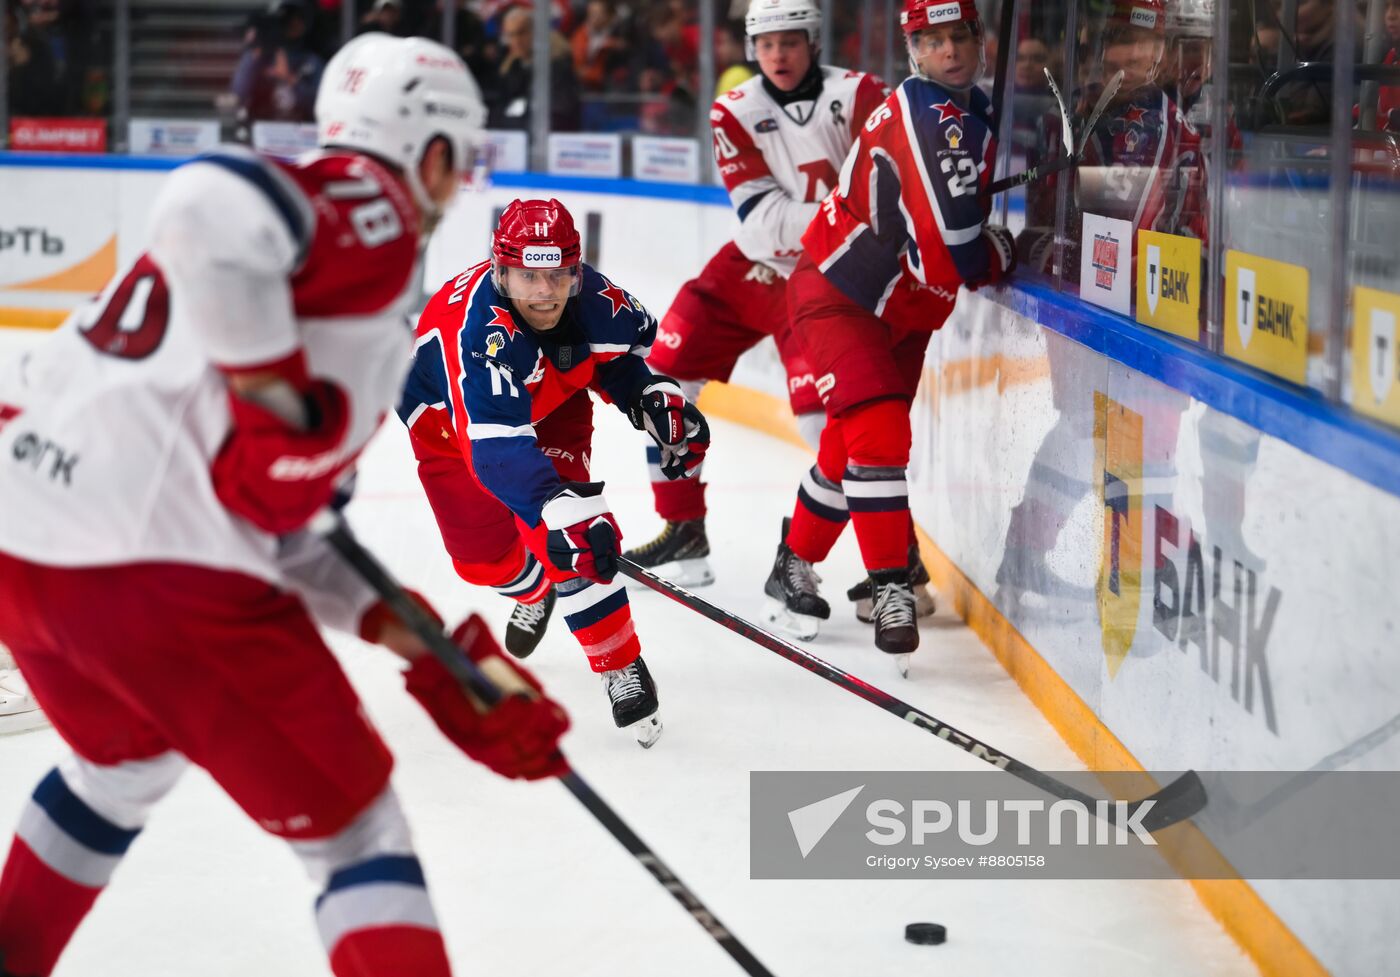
[{"x": 1189, "y": 573}]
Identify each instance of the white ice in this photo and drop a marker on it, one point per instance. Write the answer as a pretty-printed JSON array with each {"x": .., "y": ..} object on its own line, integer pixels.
[{"x": 526, "y": 883}]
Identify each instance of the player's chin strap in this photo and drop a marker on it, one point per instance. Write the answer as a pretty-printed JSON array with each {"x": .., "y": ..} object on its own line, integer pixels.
[
  {"x": 1183, "y": 798},
  {"x": 330, "y": 525}
]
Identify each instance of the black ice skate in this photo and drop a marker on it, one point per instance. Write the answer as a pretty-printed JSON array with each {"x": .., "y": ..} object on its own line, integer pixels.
[
  {"x": 634, "y": 704},
  {"x": 924, "y": 604},
  {"x": 793, "y": 601},
  {"x": 678, "y": 555},
  {"x": 527, "y": 624},
  {"x": 896, "y": 629}
]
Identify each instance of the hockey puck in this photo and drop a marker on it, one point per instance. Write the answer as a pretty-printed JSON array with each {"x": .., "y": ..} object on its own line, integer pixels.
[{"x": 925, "y": 934}]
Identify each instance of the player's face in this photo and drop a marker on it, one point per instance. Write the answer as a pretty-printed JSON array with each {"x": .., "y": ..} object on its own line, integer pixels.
[
  {"x": 784, "y": 57},
  {"x": 1190, "y": 65},
  {"x": 1134, "y": 52},
  {"x": 539, "y": 294},
  {"x": 949, "y": 54}
]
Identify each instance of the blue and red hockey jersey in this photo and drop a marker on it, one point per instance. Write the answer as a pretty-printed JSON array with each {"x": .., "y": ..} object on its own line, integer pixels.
[{"x": 495, "y": 376}]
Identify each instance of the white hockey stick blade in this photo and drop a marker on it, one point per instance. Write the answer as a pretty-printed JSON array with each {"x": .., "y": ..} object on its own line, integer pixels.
[
  {"x": 1066, "y": 130},
  {"x": 1109, "y": 91}
]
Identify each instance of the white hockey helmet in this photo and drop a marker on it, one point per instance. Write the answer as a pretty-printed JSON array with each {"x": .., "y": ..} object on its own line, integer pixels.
[
  {"x": 390, "y": 96},
  {"x": 767, "y": 16},
  {"x": 1190, "y": 18}
]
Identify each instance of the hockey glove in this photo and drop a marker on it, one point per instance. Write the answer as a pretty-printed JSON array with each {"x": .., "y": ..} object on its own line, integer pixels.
[
  {"x": 677, "y": 427},
  {"x": 583, "y": 535},
  {"x": 276, "y": 476},
  {"x": 1001, "y": 257},
  {"x": 519, "y": 736}
]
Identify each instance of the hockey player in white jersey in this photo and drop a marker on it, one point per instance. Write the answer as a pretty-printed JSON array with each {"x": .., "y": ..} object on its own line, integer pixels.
[
  {"x": 165, "y": 450},
  {"x": 779, "y": 141}
]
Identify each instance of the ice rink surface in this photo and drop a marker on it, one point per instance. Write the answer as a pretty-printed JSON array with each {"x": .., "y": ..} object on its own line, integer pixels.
[{"x": 526, "y": 883}]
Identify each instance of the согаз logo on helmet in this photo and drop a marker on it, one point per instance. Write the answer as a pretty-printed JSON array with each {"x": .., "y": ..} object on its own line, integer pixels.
[{"x": 541, "y": 257}]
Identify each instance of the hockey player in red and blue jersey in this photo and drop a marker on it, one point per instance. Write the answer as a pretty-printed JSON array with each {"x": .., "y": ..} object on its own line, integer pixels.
[
  {"x": 884, "y": 258},
  {"x": 500, "y": 419}
]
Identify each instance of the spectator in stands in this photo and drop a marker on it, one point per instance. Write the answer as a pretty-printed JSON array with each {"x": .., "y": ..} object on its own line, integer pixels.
[
  {"x": 471, "y": 42},
  {"x": 1308, "y": 101},
  {"x": 508, "y": 89},
  {"x": 384, "y": 17},
  {"x": 599, "y": 46},
  {"x": 33, "y": 75},
  {"x": 277, "y": 74},
  {"x": 1031, "y": 100},
  {"x": 1388, "y": 116},
  {"x": 731, "y": 62}
]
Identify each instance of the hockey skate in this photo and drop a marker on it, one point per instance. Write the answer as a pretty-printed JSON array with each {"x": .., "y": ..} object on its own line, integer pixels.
[
  {"x": 634, "y": 705},
  {"x": 527, "y": 624},
  {"x": 793, "y": 604},
  {"x": 924, "y": 604},
  {"x": 678, "y": 555},
  {"x": 896, "y": 628},
  {"x": 19, "y": 713}
]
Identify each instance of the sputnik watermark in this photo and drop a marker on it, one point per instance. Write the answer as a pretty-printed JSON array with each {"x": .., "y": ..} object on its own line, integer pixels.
[{"x": 1112, "y": 822}]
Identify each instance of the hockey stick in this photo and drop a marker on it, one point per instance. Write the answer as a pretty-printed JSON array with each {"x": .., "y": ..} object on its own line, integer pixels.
[
  {"x": 1181, "y": 799},
  {"x": 465, "y": 671},
  {"x": 1072, "y": 156}
]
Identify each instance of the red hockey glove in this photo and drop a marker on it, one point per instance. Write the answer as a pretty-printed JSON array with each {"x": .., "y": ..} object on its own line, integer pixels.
[
  {"x": 381, "y": 626},
  {"x": 519, "y": 736},
  {"x": 583, "y": 535},
  {"x": 677, "y": 427},
  {"x": 1001, "y": 256},
  {"x": 274, "y": 475}
]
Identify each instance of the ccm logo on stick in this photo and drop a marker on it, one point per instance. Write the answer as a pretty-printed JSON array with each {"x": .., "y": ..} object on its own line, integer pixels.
[{"x": 542, "y": 257}]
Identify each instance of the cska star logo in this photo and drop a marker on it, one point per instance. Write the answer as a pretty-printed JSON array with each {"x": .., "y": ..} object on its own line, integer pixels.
[
  {"x": 949, "y": 110},
  {"x": 1134, "y": 117},
  {"x": 504, "y": 320},
  {"x": 615, "y": 295}
]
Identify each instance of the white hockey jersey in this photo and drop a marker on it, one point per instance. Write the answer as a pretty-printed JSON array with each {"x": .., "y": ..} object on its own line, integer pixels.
[
  {"x": 108, "y": 428},
  {"x": 779, "y": 161}
]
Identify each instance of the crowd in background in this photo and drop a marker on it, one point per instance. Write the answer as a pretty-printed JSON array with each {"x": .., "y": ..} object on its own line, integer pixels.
[
  {"x": 616, "y": 65},
  {"x": 49, "y": 55}
]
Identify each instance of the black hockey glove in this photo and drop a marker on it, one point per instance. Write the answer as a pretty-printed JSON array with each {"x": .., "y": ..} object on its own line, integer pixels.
[{"x": 677, "y": 427}]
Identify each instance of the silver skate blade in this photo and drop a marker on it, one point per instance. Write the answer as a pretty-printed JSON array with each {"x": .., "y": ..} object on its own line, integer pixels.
[
  {"x": 683, "y": 573},
  {"x": 901, "y": 662},
  {"x": 803, "y": 627},
  {"x": 647, "y": 730}
]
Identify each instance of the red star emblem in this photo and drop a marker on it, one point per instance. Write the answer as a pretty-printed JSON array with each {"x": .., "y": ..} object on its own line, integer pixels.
[
  {"x": 616, "y": 296},
  {"x": 1134, "y": 116},
  {"x": 949, "y": 110},
  {"x": 504, "y": 320}
]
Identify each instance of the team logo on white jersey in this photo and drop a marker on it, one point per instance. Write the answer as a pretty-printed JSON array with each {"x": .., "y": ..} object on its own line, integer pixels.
[{"x": 766, "y": 125}]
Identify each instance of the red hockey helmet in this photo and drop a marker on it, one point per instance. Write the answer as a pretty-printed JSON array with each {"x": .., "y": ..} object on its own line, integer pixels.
[
  {"x": 920, "y": 14},
  {"x": 538, "y": 236}
]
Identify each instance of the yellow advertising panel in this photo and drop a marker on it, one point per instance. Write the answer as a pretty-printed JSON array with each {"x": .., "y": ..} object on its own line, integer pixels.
[
  {"x": 1266, "y": 314},
  {"x": 1169, "y": 283},
  {"x": 1118, "y": 454},
  {"x": 1374, "y": 358}
]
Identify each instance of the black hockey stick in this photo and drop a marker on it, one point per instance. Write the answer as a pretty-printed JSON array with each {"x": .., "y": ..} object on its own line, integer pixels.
[
  {"x": 1072, "y": 155},
  {"x": 465, "y": 671},
  {"x": 1181, "y": 799}
]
